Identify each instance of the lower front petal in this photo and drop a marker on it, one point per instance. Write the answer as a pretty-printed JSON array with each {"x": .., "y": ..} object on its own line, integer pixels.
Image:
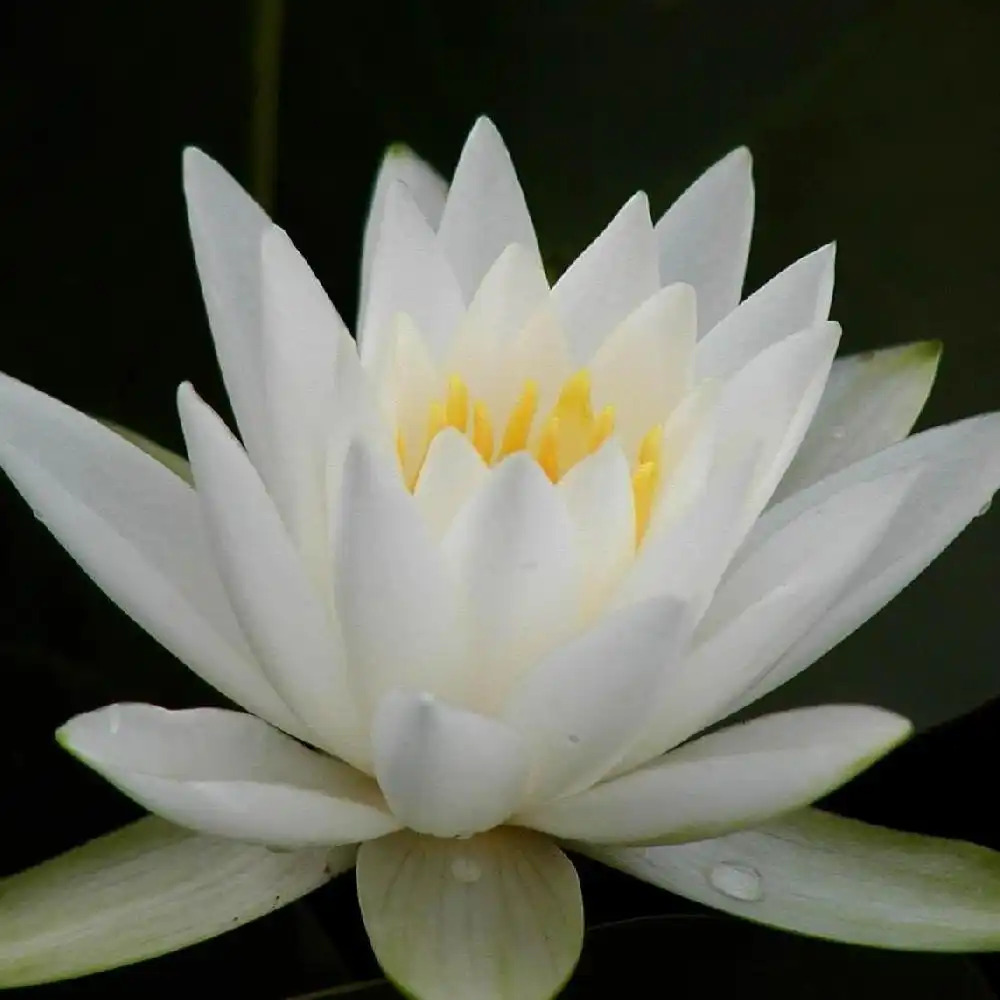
[{"x": 498, "y": 916}]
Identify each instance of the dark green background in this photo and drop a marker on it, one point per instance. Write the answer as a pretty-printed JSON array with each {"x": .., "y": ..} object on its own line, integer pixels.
[{"x": 871, "y": 122}]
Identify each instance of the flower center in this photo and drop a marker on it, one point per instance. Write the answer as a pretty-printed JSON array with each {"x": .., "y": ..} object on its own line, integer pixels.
[{"x": 569, "y": 433}]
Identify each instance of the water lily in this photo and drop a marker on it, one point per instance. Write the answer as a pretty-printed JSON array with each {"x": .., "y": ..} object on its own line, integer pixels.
[{"x": 482, "y": 578}]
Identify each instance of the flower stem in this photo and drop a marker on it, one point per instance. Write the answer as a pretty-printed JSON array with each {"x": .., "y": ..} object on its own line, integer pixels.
[{"x": 269, "y": 16}]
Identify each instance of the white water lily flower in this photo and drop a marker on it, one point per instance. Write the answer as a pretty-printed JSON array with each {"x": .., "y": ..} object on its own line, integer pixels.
[{"x": 480, "y": 580}]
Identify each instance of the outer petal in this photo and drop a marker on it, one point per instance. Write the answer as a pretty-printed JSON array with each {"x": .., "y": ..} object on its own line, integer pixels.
[
  {"x": 485, "y": 210},
  {"x": 228, "y": 774},
  {"x": 819, "y": 874},
  {"x": 145, "y": 890},
  {"x": 515, "y": 557},
  {"x": 732, "y": 779},
  {"x": 798, "y": 297},
  {"x": 871, "y": 401},
  {"x": 281, "y": 611},
  {"x": 704, "y": 237},
  {"x": 396, "y": 598},
  {"x": 226, "y": 229},
  {"x": 445, "y": 771},
  {"x": 961, "y": 472},
  {"x": 497, "y": 917},
  {"x": 136, "y": 530},
  {"x": 582, "y": 704},
  {"x": 611, "y": 278}
]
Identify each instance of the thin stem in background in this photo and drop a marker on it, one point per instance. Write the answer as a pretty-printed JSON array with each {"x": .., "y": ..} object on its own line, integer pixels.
[{"x": 269, "y": 17}]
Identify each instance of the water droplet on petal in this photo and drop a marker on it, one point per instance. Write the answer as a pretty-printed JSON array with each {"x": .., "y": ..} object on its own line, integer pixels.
[
  {"x": 573, "y": 738},
  {"x": 839, "y": 433},
  {"x": 466, "y": 870},
  {"x": 737, "y": 881}
]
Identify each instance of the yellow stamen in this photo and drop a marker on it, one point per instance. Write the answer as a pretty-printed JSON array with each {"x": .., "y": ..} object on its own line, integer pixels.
[
  {"x": 604, "y": 425},
  {"x": 649, "y": 447},
  {"x": 643, "y": 488},
  {"x": 482, "y": 432},
  {"x": 438, "y": 420},
  {"x": 547, "y": 453},
  {"x": 401, "y": 449},
  {"x": 515, "y": 434},
  {"x": 457, "y": 404},
  {"x": 575, "y": 397}
]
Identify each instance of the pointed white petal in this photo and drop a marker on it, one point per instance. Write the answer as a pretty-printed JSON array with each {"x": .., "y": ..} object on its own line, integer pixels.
[
  {"x": 451, "y": 473},
  {"x": 228, "y": 774},
  {"x": 729, "y": 780},
  {"x": 135, "y": 529},
  {"x": 960, "y": 466},
  {"x": 779, "y": 589},
  {"x": 396, "y": 599},
  {"x": 411, "y": 275},
  {"x": 611, "y": 278},
  {"x": 645, "y": 366},
  {"x": 226, "y": 228},
  {"x": 282, "y": 613},
  {"x": 871, "y": 401},
  {"x": 498, "y": 916},
  {"x": 445, "y": 771},
  {"x": 830, "y": 877},
  {"x": 704, "y": 237},
  {"x": 798, "y": 297},
  {"x": 485, "y": 211},
  {"x": 517, "y": 566},
  {"x": 147, "y": 889},
  {"x": 583, "y": 703},
  {"x": 427, "y": 188}
]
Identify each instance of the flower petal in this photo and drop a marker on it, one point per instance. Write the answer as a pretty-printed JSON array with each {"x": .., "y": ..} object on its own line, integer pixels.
[
  {"x": 226, "y": 228},
  {"x": 497, "y": 916},
  {"x": 282, "y": 613},
  {"x": 960, "y": 473},
  {"x": 445, "y": 771},
  {"x": 452, "y": 471},
  {"x": 228, "y": 774},
  {"x": 135, "y": 529},
  {"x": 427, "y": 188},
  {"x": 516, "y": 562},
  {"x": 147, "y": 889},
  {"x": 409, "y": 274},
  {"x": 611, "y": 278},
  {"x": 396, "y": 599},
  {"x": 704, "y": 237},
  {"x": 830, "y": 877},
  {"x": 728, "y": 780},
  {"x": 871, "y": 401},
  {"x": 797, "y": 298},
  {"x": 485, "y": 211},
  {"x": 581, "y": 706}
]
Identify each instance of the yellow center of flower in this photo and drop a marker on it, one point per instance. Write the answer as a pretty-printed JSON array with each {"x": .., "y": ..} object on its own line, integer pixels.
[{"x": 569, "y": 433}]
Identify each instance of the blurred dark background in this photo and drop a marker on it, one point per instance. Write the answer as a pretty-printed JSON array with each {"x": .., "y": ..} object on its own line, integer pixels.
[{"x": 872, "y": 122}]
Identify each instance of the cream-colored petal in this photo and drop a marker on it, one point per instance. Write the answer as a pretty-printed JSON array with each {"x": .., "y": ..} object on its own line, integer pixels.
[{"x": 451, "y": 473}]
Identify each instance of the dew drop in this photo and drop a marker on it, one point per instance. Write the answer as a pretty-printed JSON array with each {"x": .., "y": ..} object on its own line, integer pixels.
[
  {"x": 466, "y": 870},
  {"x": 737, "y": 881},
  {"x": 839, "y": 433},
  {"x": 573, "y": 738}
]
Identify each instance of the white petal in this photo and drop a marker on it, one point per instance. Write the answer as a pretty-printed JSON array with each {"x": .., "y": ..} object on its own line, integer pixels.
[
  {"x": 598, "y": 495},
  {"x": 445, "y": 771},
  {"x": 177, "y": 464},
  {"x": 411, "y": 275},
  {"x": 581, "y": 706},
  {"x": 228, "y": 774},
  {"x": 451, "y": 473},
  {"x": 427, "y": 188},
  {"x": 796, "y": 298},
  {"x": 396, "y": 599},
  {"x": 145, "y": 890},
  {"x": 226, "y": 228},
  {"x": 645, "y": 366},
  {"x": 830, "y": 877},
  {"x": 704, "y": 237},
  {"x": 960, "y": 473},
  {"x": 135, "y": 529},
  {"x": 485, "y": 211},
  {"x": 769, "y": 600},
  {"x": 515, "y": 557},
  {"x": 497, "y": 917},
  {"x": 611, "y": 278},
  {"x": 871, "y": 401},
  {"x": 731, "y": 779},
  {"x": 281, "y": 612}
]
